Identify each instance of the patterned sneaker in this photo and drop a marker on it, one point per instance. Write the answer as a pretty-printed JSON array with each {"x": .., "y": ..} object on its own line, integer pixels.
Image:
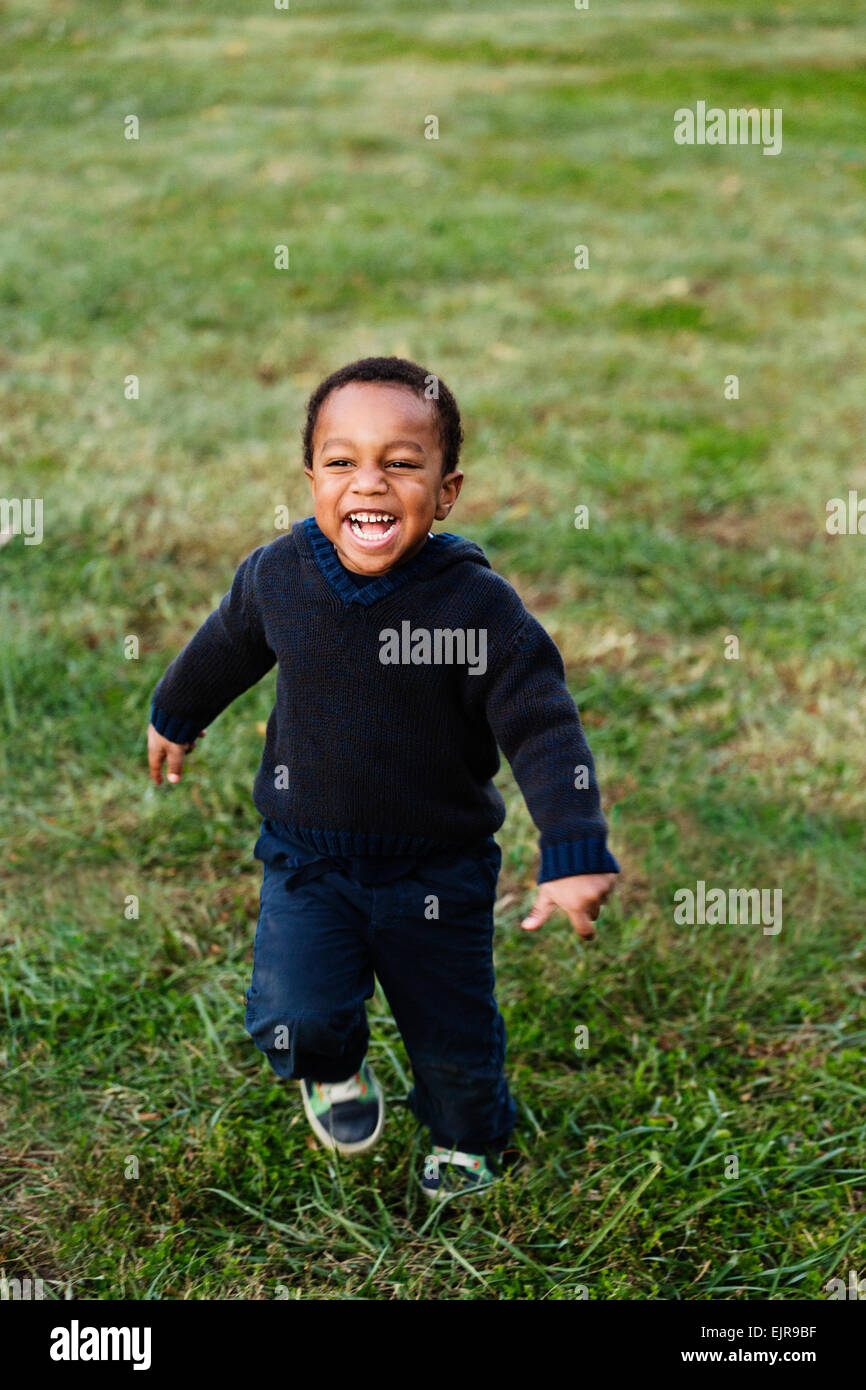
[
  {"x": 346, "y": 1115},
  {"x": 447, "y": 1171}
]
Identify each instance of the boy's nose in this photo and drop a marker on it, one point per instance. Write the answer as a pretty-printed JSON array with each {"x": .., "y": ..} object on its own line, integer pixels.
[{"x": 369, "y": 479}]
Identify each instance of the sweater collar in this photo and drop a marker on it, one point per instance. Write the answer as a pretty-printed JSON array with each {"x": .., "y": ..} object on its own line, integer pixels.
[{"x": 328, "y": 563}]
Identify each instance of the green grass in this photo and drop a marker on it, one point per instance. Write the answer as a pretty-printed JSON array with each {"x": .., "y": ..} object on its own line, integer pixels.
[{"x": 124, "y": 1039}]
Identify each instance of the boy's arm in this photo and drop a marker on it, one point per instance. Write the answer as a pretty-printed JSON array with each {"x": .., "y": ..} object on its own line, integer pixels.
[
  {"x": 227, "y": 655},
  {"x": 536, "y": 724}
]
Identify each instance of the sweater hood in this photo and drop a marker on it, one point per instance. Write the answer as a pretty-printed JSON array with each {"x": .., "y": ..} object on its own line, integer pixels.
[{"x": 446, "y": 549}]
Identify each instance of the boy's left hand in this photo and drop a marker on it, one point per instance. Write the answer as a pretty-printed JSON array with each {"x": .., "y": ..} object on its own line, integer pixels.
[{"x": 580, "y": 897}]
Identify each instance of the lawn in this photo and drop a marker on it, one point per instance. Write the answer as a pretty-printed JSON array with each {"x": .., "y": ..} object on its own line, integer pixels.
[{"x": 708, "y": 1143}]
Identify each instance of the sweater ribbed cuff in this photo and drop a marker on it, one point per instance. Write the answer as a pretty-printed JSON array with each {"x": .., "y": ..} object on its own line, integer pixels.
[
  {"x": 176, "y": 730},
  {"x": 589, "y": 855}
]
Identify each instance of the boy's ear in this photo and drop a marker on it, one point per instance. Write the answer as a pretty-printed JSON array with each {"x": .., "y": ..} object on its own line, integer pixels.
[{"x": 449, "y": 491}]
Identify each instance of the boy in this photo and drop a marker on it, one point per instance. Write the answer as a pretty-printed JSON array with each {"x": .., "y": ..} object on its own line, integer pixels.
[{"x": 403, "y": 660}]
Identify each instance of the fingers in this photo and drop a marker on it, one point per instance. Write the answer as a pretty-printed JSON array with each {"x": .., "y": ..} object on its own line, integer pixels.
[
  {"x": 538, "y": 913},
  {"x": 582, "y": 923},
  {"x": 581, "y": 918},
  {"x": 190, "y": 747},
  {"x": 155, "y": 755},
  {"x": 161, "y": 750},
  {"x": 174, "y": 761},
  {"x": 593, "y": 909}
]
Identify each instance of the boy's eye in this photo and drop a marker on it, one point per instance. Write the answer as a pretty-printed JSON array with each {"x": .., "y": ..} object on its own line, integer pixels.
[{"x": 393, "y": 463}]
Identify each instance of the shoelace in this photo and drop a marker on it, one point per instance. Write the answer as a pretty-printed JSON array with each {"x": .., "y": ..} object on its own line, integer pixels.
[
  {"x": 336, "y": 1091},
  {"x": 460, "y": 1160}
]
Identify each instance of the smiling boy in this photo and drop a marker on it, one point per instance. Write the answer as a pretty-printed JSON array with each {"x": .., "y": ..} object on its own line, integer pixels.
[{"x": 375, "y": 783}]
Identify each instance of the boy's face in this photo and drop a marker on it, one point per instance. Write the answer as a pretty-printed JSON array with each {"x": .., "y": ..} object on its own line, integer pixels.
[{"x": 376, "y": 451}]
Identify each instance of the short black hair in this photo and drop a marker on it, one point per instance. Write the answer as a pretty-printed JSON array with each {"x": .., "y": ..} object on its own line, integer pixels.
[{"x": 403, "y": 373}]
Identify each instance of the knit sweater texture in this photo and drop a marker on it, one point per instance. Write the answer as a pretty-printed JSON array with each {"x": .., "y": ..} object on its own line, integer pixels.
[{"x": 393, "y": 699}]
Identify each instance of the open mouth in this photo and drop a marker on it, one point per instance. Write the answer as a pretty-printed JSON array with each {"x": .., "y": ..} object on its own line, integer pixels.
[{"x": 372, "y": 528}]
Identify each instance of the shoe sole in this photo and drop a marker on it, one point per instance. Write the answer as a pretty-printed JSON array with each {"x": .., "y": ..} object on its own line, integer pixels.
[{"x": 326, "y": 1138}]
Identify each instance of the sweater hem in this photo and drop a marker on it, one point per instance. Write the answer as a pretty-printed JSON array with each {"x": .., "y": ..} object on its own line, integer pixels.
[
  {"x": 589, "y": 855},
  {"x": 372, "y": 844},
  {"x": 175, "y": 728}
]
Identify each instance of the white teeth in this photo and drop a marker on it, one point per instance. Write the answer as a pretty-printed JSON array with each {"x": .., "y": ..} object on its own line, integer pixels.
[{"x": 358, "y": 520}]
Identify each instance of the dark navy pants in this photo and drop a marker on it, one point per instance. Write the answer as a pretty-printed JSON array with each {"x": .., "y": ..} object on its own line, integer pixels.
[{"x": 427, "y": 935}]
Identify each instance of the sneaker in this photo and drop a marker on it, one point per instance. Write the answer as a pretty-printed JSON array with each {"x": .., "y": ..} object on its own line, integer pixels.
[
  {"x": 346, "y": 1115},
  {"x": 447, "y": 1172}
]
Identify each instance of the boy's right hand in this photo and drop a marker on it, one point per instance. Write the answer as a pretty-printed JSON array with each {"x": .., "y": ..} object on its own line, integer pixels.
[{"x": 161, "y": 750}]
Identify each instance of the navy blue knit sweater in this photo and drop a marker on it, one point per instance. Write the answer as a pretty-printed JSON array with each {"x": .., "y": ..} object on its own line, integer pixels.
[{"x": 392, "y": 697}]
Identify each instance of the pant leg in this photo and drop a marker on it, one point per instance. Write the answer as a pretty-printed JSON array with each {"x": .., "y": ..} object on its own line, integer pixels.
[
  {"x": 432, "y": 940},
  {"x": 312, "y": 973}
]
